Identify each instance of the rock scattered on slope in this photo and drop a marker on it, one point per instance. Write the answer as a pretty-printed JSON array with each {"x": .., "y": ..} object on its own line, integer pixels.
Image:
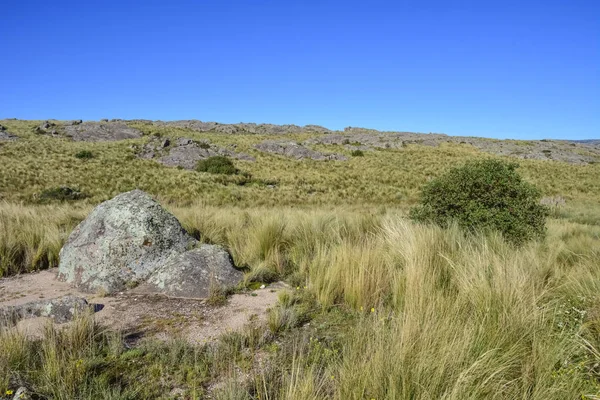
[
  {"x": 126, "y": 240},
  {"x": 537, "y": 150},
  {"x": 62, "y": 309},
  {"x": 5, "y": 135},
  {"x": 47, "y": 128},
  {"x": 192, "y": 273},
  {"x": 185, "y": 152},
  {"x": 296, "y": 151},
  {"x": 100, "y": 131}
]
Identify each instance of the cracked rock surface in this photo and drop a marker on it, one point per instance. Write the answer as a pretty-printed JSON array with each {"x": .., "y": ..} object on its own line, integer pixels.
[
  {"x": 186, "y": 153},
  {"x": 296, "y": 151},
  {"x": 132, "y": 241}
]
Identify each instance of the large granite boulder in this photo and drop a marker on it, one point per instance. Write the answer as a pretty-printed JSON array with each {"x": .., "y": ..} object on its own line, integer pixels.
[
  {"x": 193, "y": 273},
  {"x": 121, "y": 243},
  {"x": 132, "y": 241}
]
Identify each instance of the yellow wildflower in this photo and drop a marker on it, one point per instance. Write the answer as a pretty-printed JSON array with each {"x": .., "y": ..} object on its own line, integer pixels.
[
  {"x": 9, "y": 392},
  {"x": 372, "y": 309}
]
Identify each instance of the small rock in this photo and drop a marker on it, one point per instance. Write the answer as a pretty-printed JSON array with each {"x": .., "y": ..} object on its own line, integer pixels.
[
  {"x": 22, "y": 393},
  {"x": 62, "y": 309}
]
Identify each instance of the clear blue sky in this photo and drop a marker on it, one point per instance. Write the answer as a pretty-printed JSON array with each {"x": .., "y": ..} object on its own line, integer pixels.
[{"x": 520, "y": 69}]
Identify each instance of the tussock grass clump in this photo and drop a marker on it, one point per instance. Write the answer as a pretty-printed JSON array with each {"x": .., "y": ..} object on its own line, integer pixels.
[
  {"x": 31, "y": 236},
  {"x": 402, "y": 310}
]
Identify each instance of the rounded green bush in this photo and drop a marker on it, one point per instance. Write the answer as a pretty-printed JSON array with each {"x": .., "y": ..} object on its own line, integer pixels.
[
  {"x": 84, "y": 155},
  {"x": 217, "y": 165},
  {"x": 483, "y": 195}
]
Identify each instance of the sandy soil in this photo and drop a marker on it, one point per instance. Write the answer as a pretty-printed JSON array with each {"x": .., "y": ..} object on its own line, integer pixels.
[{"x": 141, "y": 315}]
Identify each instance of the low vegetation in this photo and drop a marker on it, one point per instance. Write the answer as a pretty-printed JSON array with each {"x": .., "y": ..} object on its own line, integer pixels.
[
  {"x": 60, "y": 194},
  {"x": 84, "y": 155},
  {"x": 217, "y": 165}
]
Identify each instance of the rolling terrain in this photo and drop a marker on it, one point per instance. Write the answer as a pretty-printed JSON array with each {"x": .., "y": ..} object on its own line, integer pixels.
[{"x": 372, "y": 305}]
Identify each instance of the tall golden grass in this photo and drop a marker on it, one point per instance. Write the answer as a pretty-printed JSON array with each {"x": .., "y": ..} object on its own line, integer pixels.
[{"x": 435, "y": 313}]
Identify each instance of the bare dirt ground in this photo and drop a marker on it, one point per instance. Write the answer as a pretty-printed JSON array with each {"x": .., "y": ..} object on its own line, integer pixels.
[{"x": 141, "y": 315}]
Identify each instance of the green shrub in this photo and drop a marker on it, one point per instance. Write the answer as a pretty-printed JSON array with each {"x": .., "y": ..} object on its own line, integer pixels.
[
  {"x": 357, "y": 153},
  {"x": 62, "y": 193},
  {"x": 484, "y": 195},
  {"x": 217, "y": 165},
  {"x": 84, "y": 155}
]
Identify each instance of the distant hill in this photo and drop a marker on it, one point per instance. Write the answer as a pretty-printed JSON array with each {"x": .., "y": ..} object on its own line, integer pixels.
[
  {"x": 573, "y": 152},
  {"x": 278, "y": 164}
]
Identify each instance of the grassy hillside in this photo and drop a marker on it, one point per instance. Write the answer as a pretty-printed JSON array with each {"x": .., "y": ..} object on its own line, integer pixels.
[
  {"x": 382, "y": 177},
  {"x": 379, "y": 307}
]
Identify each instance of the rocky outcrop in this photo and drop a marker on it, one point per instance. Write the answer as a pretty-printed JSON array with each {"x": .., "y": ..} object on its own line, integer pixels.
[
  {"x": 242, "y": 128},
  {"x": 192, "y": 273},
  {"x": 62, "y": 309},
  {"x": 186, "y": 153},
  {"x": 100, "y": 131},
  {"x": 537, "y": 150},
  {"x": 296, "y": 151},
  {"x": 130, "y": 240}
]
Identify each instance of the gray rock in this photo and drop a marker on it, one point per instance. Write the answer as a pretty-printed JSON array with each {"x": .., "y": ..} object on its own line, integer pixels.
[
  {"x": 121, "y": 243},
  {"x": 186, "y": 152},
  {"x": 47, "y": 128},
  {"x": 243, "y": 128},
  {"x": 295, "y": 150},
  {"x": 23, "y": 393},
  {"x": 5, "y": 135},
  {"x": 574, "y": 153},
  {"x": 192, "y": 273},
  {"x": 101, "y": 131},
  {"x": 62, "y": 309}
]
